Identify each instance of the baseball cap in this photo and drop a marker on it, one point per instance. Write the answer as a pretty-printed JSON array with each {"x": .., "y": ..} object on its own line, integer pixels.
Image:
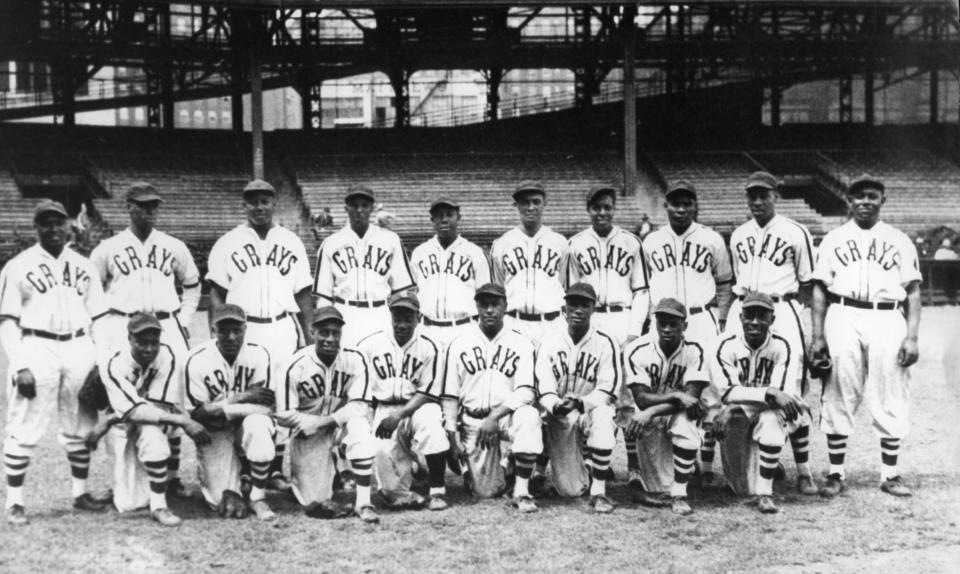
[
  {"x": 761, "y": 179},
  {"x": 670, "y": 306},
  {"x": 142, "y": 192},
  {"x": 258, "y": 186},
  {"x": 443, "y": 200},
  {"x": 866, "y": 180},
  {"x": 600, "y": 190},
  {"x": 403, "y": 300},
  {"x": 527, "y": 186},
  {"x": 359, "y": 191},
  {"x": 141, "y": 322},
  {"x": 757, "y": 300},
  {"x": 49, "y": 206},
  {"x": 328, "y": 313},
  {"x": 681, "y": 185},
  {"x": 494, "y": 289},
  {"x": 582, "y": 290},
  {"x": 229, "y": 312}
]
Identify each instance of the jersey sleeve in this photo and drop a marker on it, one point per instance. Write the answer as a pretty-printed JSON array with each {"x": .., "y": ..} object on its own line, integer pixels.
[
  {"x": 285, "y": 386},
  {"x": 823, "y": 269},
  {"x": 217, "y": 264},
  {"x": 781, "y": 368},
  {"x": 496, "y": 266},
  {"x": 573, "y": 267},
  {"x": 94, "y": 299},
  {"x": 360, "y": 388},
  {"x": 803, "y": 258},
  {"x": 910, "y": 263},
  {"x": 98, "y": 258},
  {"x": 122, "y": 395},
  {"x": 302, "y": 279},
  {"x": 400, "y": 276},
  {"x": 430, "y": 371},
  {"x": 11, "y": 298},
  {"x": 722, "y": 269},
  {"x": 524, "y": 389},
  {"x": 724, "y": 369},
  {"x": 546, "y": 371},
  {"x": 481, "y": 266},
  {"x": 451, "y": 374},
  {"x": 323, "y": 279},
  {"x": 186, "y": 270},
  {"x": 639, "y": 278},
  {"x": 262, "y": 369},
  {"x": 193, "y": 374},
  {"x": 608, "y": 376},
  {"x": 697, "y": 370},
  {"x": 634, "y": 365}
]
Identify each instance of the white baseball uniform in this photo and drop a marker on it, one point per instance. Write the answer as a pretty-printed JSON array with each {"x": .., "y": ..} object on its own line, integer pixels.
[
  {"x": 447, "y": 279},
  {"x": 480, "y": 375},
  {"x": 615, "y": 267},
  {"x": 688, "y": 268},
  {"x": 209, "y": 378},
  {"x": 861, "y": 269},
  {"x": 397, "y": 373},
  {"x": 775, "y": 259},
  {"x": 531, "y": 269},
  {"x": 130, "y": 385},
  {"x": 357, "y": 275},
  {"x": 342, "y": 390},
  {"x": 645, "y": 364},
  {"x": 588, "y": 369}
]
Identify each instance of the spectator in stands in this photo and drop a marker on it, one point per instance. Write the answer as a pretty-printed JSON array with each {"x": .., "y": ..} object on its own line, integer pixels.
[
  {"x": 321, "y": 222},
  {"x": 382, "y": 217},
  {"x": 921, "y": 247},
  {"x": 949, "y": 275}
]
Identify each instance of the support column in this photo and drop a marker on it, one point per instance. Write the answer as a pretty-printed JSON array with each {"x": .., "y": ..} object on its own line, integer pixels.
[
  {"x": 934, "y": 96},
  {"x": 256, "y": 112},
  {"x": 166, "y": 70},
  {"x": 869, "y": 107},
  {"x": 583, "y": 76},
  {"x": 236, "y": 94},
  {"x": 494, "y": 78},
  {"x": 846, "y": 99},
  {"x": 64, "y": 90},
  {"x": 310, "y": 104},
  {"x": 629, "y": 100},
  {"x": 399, "y": 80}
]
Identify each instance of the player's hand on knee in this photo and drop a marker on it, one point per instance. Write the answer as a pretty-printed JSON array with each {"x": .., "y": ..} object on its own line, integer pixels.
[
  {"x": 685, "y": 401},
  {"x": 909, "y": 352},
  {"x": 196, "y": 432},
  {"x": 257, "y": 396},
  {"x": 789, "y": 405},
  {"x": 488, "y": 433},
  {"x": 387, "y": 426},
  {"x": 637, "y": 424},
  {"x": 26, "y": 384},
  {"x": 93, "y": 436}
]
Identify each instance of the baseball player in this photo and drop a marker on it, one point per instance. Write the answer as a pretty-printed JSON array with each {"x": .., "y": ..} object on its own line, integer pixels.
[
  {"x": 529, "y": 261},
  {"x": 263, "y": 268},
  {"x": 865, "y": 317},
  {"x": 359, "y": 267},
  {"x": 666, "y": 375},
  {"x": 447, "y": 268},
  {"x": 50, "y": 299},
  {"x": 610, "y": 259},
  {"x": 761, "y": 402},
  {"x": 324, "y": 398},
  {"x": 408, "y": 420},
  {"x": 228, "y": 387},
  {"x": 689, "y": 262},
  {"x": 146, "y": 398},
  {"x": 488, "y": 392},
  {"x": 141, "y": 268},
  {"x": 578, "y": 376}
]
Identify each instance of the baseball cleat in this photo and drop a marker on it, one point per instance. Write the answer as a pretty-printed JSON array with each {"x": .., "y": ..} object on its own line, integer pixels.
[
  {"x": 806, "y": 486},
  {"x": 165, "y": 517},
  {"x": 262, "y": 510},
  {"x": 680, "y": 506},
  {"x": 404, "y": 500},
  {"x": 538, "y": 484},
  {"x": 367, "y": 514},
  {"x": 437, "y": 502},
  {"x": 86, "y": 502},
  {"x": 525, "y": 504},
  {"x": 767, "y": 505},
  {"x": 601, "y": 504},
  {"x": 833, "y": 486},
  {"x": 278, "y": 482},
  {"x": 710, "y": 481},
  {"x": 16, "y": 515},
  {"x": 652, "y": 500},
  {"x": 327, "y": 510},
  {"x": 895, "y": 487},
  {"x": 176, "y": 488}
]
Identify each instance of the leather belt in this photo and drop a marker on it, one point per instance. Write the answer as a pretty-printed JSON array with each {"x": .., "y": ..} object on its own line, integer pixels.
[
  {"x": 432, "y": 323},
  {"x": 610, "y": 308},
  {"x": 858, "y": 304},
  {"x": 534, "y": 316},
  {"x": 362, "y": 304},
  {"x": 253, "y": 319},
  {"x": 776, "y": 299},
  {"x": 162, "y": 315},
  {"x": 477, "y": 413},
  {"x": 696, "y": 310},
  {"x": 52, "y": 336}
]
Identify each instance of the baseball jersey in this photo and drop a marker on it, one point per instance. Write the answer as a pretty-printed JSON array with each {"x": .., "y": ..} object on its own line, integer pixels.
[
  {"x": 130, "y": 385},
  {"x": 530, "y": 269},
  {"x": 743, "y": 373},
  {"x": 448, "y": 278},
  {"x": 774, "y": 259},
  {"x": 613, "y": 265},
  {"x": 645, "y": 363},
  {"x": 262, "y": 276},
  {"x": 310, "y": 386},
  {"x": 60, "y": 295},
  {"x": 687, "y": 267},
  {"x": 399, "y": 372},
  {"x": 210, "y": 377},
  {"x": 872, "y": 265},
  {"x": 485, "y": 373},
  {"x": 588, "y": 367},
  {"x": 368, "y": 268}
]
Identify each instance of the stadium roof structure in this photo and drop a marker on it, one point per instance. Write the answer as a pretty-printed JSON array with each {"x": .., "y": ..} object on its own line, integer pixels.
[{"x": 466, "y": 4}]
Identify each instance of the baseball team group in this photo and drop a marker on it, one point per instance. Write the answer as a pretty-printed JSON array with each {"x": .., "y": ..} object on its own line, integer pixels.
[{"x": 515, "y": 370}]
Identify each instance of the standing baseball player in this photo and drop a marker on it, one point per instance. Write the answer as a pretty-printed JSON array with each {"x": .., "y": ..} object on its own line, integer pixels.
[
  {"x": 263, "y": 268},
  {"x": 404, "y": 363},
  {"x": 689, "y": 262},
  {"x": 666, "y": 375},
  {"x": 578, "y": 376},
  {"x": 761, "y": 401},
  {"x": 447, "y": 268},
  {"x": 530, "y": 262},
  {"x": 359, "y": 267},
  {"x": 866, "y": 316},
  {"x": 147, "y": 400},
  {"x": 228, "y": 387},
  {"x": 50, "y": 297},
  {"x": 141, "y": 268},
  {"x": 488, "y": 392},
  {"x": 324, "y": 399}
]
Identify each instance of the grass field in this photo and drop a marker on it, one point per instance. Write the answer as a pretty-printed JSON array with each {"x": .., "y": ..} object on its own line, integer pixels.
[{"x": 861, "y": 531}]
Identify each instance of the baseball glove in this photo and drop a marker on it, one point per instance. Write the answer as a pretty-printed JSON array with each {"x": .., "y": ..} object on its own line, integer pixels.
[
  {"x": 327, "y": 510},
  {"x": 820, "y": 366},
  {"x": 93, "y": 394},
  {"x": 232, "y": 505}
]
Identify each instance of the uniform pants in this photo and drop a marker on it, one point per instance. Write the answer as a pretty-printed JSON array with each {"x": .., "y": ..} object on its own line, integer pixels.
[
  {"x": 565, "y": 438},
  {"x": 613, "y": 323},
  {"x": 281, "y": 339},
  {"x": 748, "y": 426},
  {"x": 522, "y": 428},
  {"x": 220, "y": 461},
  {"x": 133, "y": 445},
  {"x": 420, "y": 434},
  {"x": 362, "y": 321},
  {"x": 655, "y": 449},
  {"x": 536, "y": 331},
  {"x": 313, "y": 462},
  {"x": 442, "y": 336}
]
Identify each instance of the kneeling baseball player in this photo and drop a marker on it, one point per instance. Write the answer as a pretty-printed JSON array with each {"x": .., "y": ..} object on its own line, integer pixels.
[
  {"x": 761, "y": 403},
  {"x": 666, "y": 375},
  {"x": 324, "y": 399},
  {"x": 142, "y": 387},
  {"x": 408, "y": 419},
  {"x": 581, "y": 365},
  {"x": 227, "y": 384}
]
